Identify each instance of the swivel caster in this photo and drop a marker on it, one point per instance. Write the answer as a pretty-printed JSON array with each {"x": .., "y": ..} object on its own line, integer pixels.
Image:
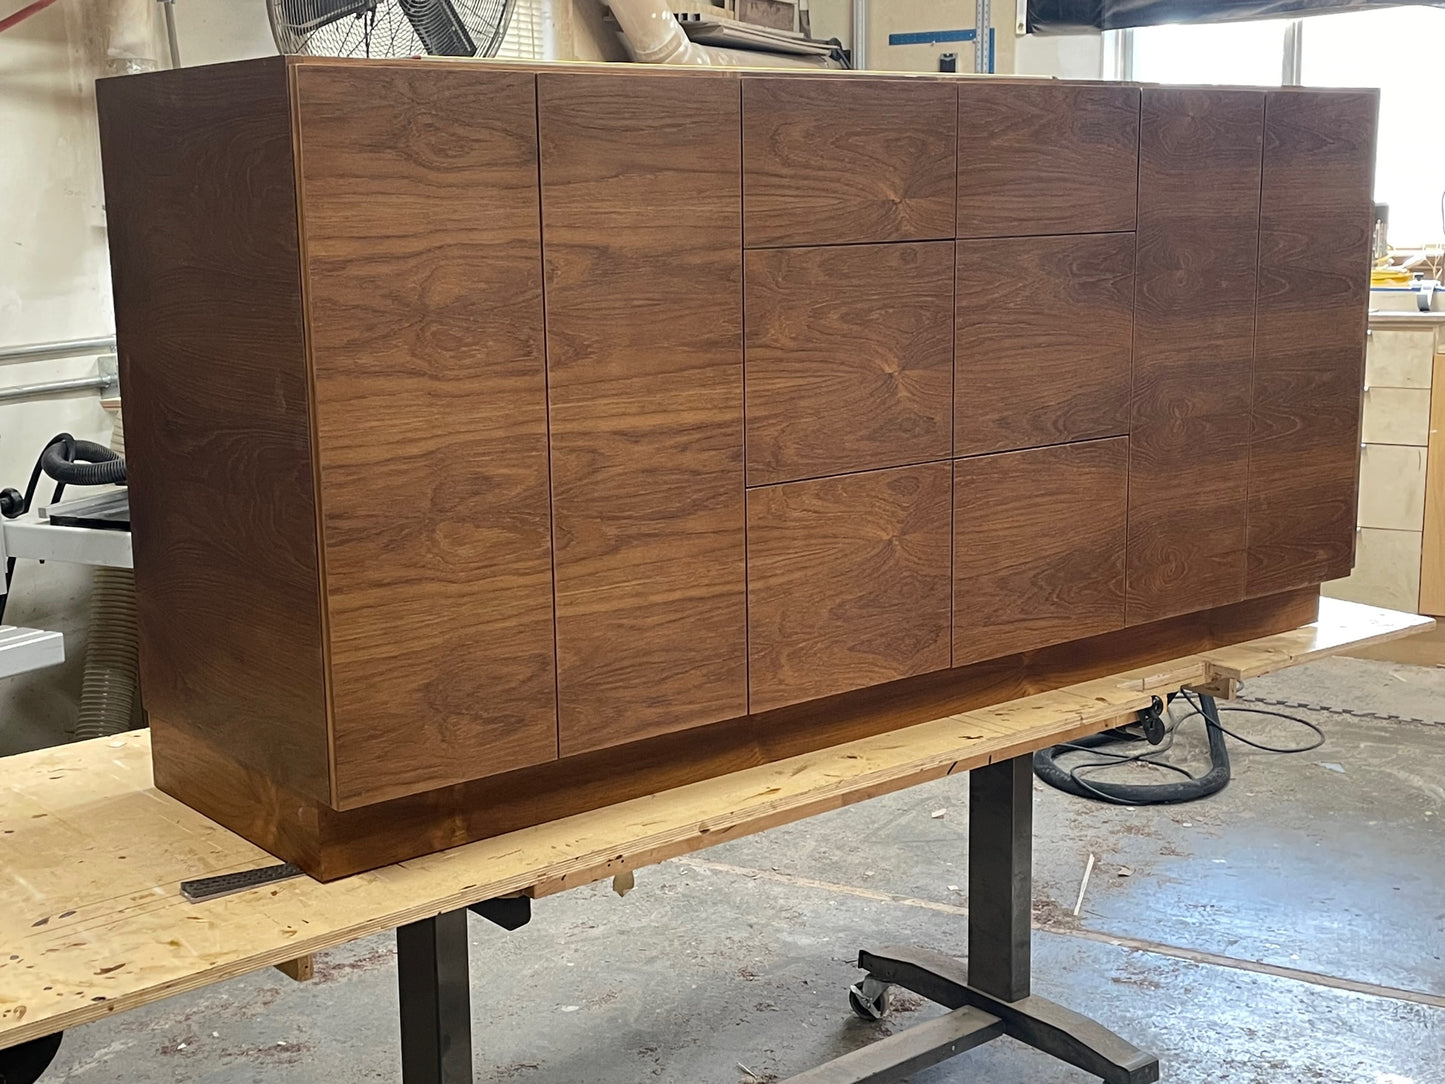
[{"x": 870, "y": 998}]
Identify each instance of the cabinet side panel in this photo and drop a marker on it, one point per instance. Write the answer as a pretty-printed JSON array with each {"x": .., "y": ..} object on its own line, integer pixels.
[
  {"x": 641, "y": 231},
  {"x": 201, "y": 206},
  {"x": 1194, "y": 287},
  {"x": 1314, "y": 273},
  {"x": 424, "y": 289}
]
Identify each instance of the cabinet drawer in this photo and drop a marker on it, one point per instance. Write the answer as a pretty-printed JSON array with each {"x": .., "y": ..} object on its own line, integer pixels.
[
  {"x": 1396, "y": 416},
  {"x": 1392, "y": 487},
  {"x": 1387, "y": 571},
  {"x": 1399, "y": 358}
]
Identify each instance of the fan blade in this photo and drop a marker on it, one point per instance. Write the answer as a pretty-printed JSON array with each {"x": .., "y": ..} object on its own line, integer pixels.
[
  {"x": 440, "y": 29},
  {"x": 304, "y": 16}
]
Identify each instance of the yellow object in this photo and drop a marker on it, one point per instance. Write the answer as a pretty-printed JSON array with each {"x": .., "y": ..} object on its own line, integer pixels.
[{"x": 1390, "y": 276}]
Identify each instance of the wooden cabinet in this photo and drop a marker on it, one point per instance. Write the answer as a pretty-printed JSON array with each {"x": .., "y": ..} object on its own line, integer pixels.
[
  {"x": 509, "y": 440},
  {"x": 1195, "y": 281}
]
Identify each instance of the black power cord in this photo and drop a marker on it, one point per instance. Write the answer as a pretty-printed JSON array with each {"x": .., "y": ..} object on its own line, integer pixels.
[{"x": 1159, "y": 735}]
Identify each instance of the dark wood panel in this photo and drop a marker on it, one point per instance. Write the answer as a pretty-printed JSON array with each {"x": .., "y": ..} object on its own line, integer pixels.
[
  {"x": 201, "y": 212},
  {"x": 424, "y": 287},
  {"x": 642, "y": 242},
  {"x": 829, "y": 160},
  {"x": 1019, "y": 582},
  {"x": 1314, "y": 258},
  {"x": 1199, "y": 188},
  {"x": 330, "y": 844},
  {"x": 849, "y": 358},
  {"x": 1041, "y": 158},
  {"x": 848, "y": 582},
  {"x": 1044, "y": 340}
]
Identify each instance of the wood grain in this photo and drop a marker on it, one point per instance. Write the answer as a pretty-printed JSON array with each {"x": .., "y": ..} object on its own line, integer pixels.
[
  {"x": 839, "y": 159},
  {"x": 424, "y": 287},
  {"x": 1199, "y": 189},
  {"x": 201, "y": 211},
  {"x": 1146, "y": 657},
  {"x": 849, "y": 358},
  {"x": 1019, "y": 582},
  {"x": 848, "y": 582},
  {"x": 1044, "y": 158},
  {"x": 1044, "y": 340},
  {"x": 1314, "y": 256},
  {"x": 642, "y": 241}
]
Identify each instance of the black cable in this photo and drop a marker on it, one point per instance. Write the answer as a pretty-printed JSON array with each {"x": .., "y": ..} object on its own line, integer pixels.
[{"x": 1193, "y": 787}]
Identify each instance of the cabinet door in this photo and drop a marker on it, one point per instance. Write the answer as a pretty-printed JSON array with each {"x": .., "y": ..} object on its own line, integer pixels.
[
  {"x": 643, "y": 243},
  {"x": 848, "y": 582},
  {"x": 849, "y": 358},
  {"x": 1038, "y": 547},
  {"x": 1043, "y": 344},
  {"x": 424, "y": 285},
  {"x": 1314, "y": 275},
  {"x": 833, "y": 160},
  {"x": 1046, "y": 158},
  {"x": 1194, "y": 280}
]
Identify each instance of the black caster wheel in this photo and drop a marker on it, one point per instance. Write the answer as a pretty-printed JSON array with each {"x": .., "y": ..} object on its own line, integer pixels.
[
  {"x": 869, "y": 999},
  {"x": 23, "y": 1064}
]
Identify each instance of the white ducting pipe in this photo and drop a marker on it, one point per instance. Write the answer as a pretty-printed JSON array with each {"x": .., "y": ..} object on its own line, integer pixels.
[{"x": 653, "y": 36}]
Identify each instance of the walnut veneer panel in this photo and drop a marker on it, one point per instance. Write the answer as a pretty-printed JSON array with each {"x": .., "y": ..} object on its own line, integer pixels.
[
  {"x": 847, "y": 158},
  {"x": 849, "y": 358},
  {"x": 1042, "y": 158},
  {"x": 643, "y": 247},
  {"x": 1044, "y": 340},
  {"x": 848, "y": 582},
  {"x": 1314, "y": 257},
  {"x": 424, "y": 286},
  {"x": 1021, "y": 582},
  {"x": 201, "y": 209},
  {"x": 1199, "y": 190}
]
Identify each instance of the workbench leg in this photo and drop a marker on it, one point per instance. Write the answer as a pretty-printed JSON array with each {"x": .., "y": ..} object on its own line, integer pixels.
[
  {"x": 436, "y": 1003},
  {"x": 990, "y": 995}
]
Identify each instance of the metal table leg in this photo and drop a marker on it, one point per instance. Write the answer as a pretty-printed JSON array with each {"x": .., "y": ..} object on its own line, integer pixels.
[
  {"x": 436, "y": 1003},
  {"x": 994, "y": 986}
]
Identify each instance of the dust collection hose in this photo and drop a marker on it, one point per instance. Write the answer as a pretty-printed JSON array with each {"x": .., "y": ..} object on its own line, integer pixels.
[
  {"x": 108, "y": 688},
  {"x": 82, "y": 462}
]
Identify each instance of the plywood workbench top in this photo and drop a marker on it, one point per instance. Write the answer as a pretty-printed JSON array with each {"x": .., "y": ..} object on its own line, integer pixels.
[{"x": 91, "y": 855}]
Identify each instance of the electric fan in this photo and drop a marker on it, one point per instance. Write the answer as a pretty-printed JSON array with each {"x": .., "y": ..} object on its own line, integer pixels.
[{"x": 389, "y": 28}]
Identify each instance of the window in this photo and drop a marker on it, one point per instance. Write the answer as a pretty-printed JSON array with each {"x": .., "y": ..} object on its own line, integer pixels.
[
  {"x": 524, "y": 39},
  {"x": 1395, "y": 49}
]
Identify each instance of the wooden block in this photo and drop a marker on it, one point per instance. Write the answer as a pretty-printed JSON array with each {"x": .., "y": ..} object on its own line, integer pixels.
[
  {"x": 1020, "y": 582},
  {"x": 1316, "y": 226},
  {"x": 640, "y": 191},
  {"x": 1044, "y": 158},
  {"x": 1043, "y": 345},
  {"x": 209, "y": 323},
  {"x": 848, "y": 582},
  {"x": 840, "y": 159},
  {"x": 1199, "y": 185},
  {"x": 301, "y": 969},
  {"x": 424, "y": 287},
  {"x": 849, "y": 358}
]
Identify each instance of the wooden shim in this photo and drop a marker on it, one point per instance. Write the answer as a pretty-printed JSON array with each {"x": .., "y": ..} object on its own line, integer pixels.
[{"x": 301, "y": 969}]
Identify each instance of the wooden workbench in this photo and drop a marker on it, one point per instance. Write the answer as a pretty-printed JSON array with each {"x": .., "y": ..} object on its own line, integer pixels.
[{"x": 91, "y": 856}]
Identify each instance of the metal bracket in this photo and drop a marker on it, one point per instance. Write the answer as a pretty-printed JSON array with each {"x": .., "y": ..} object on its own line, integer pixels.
[{"x": 508, "y": 912}]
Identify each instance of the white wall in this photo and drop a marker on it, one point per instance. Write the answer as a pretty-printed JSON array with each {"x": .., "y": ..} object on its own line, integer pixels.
[{"x": 1067, "y": 56}]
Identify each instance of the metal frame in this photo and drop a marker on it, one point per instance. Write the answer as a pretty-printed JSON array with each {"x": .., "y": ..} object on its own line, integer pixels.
[{"x": 989, "y": 997}]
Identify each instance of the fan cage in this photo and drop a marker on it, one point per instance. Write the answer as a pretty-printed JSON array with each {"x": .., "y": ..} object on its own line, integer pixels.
[{"x": 394, "y": 28}]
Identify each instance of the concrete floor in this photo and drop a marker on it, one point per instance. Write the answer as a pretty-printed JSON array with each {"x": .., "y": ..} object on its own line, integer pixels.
[{"x": 1290, "y": 929}]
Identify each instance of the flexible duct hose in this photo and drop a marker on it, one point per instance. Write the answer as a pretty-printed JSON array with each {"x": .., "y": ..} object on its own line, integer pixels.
[
  {"x": 108, "y": 689},
  {"x": 82, "y": 462}
]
